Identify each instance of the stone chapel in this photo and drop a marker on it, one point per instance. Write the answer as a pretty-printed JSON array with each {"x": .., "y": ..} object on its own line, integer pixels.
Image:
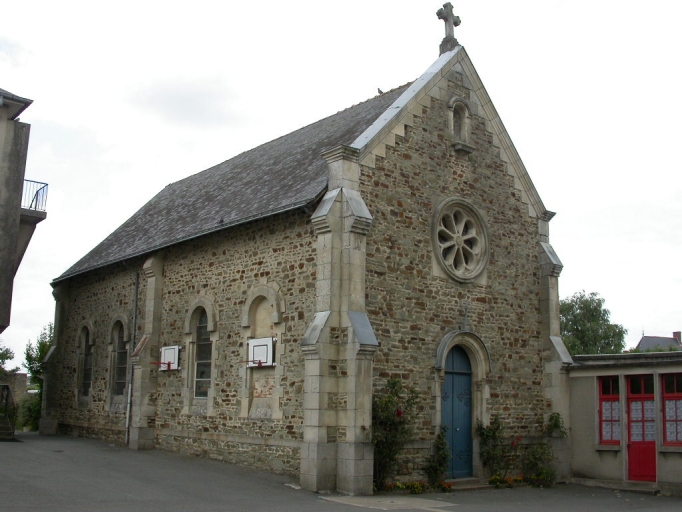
[{"x": 248, "y": 312}]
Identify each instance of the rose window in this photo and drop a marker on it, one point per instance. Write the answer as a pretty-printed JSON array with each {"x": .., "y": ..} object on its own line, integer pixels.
[{"x": 460, "y": 239}]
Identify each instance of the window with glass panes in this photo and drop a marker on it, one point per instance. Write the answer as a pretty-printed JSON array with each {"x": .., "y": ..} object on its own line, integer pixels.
[
  {"x": 204, "y": 352},
  {"x": 642, "y": 408},
  {"x": 121, "y": 360},
  {"x": 671, "y": 385},
  {"x": 87, "y": 362},
  {"x": 609, "y": 410}
]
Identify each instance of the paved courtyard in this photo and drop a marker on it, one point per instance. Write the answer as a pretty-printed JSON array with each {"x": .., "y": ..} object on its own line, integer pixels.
[{"x": 39, "y": 473}]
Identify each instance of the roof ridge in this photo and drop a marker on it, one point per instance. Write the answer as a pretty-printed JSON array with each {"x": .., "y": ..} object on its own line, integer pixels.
[
  {"x": 284, "y": 173},
  {"x": 319, "y": 121}
]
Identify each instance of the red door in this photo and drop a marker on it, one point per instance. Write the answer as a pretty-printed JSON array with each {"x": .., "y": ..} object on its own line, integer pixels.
[{"x": 641, "y": 428}]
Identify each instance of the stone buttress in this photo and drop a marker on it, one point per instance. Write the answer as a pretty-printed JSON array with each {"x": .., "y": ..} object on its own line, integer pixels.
[
  {"x": 144, "y": 381},
  {"x": 339, "y": 344}
]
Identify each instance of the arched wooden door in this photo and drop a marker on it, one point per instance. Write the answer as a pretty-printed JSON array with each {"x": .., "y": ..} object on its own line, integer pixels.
[{"x": 456, "y": 412}]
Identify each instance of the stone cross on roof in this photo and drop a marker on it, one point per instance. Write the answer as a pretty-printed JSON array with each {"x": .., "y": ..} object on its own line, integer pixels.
[{"x": 451, "y": 21}]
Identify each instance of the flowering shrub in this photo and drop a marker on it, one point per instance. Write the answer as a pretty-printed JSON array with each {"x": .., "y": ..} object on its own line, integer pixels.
[
  {"x": 543, "y": 478},
  {"x": 392, "y": 415},
  {"x": 498, "y": 454},
  {"x": 417, "y": 487},
  {"x": 445, "y": 486},
  {"x": 495, "y": 480}
]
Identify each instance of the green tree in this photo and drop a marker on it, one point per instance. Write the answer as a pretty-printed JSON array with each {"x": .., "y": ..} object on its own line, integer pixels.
[
  {"x": 586, "y": 326},
  {"x": 6, "y": 354},
  {"x": 35, "y": 354}
]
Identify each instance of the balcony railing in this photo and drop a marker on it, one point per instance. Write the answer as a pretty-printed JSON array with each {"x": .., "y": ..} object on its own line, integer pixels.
[{"x": 34, "y": 196}]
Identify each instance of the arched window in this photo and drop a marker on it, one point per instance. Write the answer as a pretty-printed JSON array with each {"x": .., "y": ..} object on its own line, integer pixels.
[
  {"x": 204, "y": 353},
  {"x": 87, "y": 348},
  {"x": 201, "y": 336},
  {"x": 120, "y": 359},
  {"x": 460, "y": 127}
]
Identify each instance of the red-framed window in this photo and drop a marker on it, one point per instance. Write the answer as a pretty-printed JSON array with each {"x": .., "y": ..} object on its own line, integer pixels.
[
  {"x": 609, "y": 410},
  {"x": 671, "y": 384},
  {"x": 641, "y": 409}
]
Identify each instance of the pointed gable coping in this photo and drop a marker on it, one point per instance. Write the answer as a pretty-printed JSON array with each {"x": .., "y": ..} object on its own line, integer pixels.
[
  {"x": 390, "y": 122},
  {"x": 385, "y": 123}
]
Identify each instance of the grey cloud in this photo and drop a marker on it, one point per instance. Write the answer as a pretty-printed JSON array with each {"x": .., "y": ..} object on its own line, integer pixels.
[{"x": 199, "y": 104}]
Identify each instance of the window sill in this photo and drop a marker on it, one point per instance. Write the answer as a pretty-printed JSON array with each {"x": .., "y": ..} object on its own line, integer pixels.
[
  {"x": 608, "y": 447},
  {"x": 670, "y": 449},
  {"x": 462, "y": 148}
]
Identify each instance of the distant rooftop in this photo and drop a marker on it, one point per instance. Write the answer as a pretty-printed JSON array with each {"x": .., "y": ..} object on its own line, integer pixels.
[{"x": 660, "y": 342}]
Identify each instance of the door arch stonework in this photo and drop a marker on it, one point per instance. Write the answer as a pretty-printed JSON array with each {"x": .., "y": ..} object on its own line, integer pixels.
[{"x": 480, "y": 362}]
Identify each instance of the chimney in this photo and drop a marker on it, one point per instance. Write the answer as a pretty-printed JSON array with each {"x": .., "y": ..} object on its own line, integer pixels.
[{"x": 678, "y": 336}]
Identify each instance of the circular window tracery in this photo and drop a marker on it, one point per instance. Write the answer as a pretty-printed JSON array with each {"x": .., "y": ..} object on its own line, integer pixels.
[{"x": 460, "y": 239}]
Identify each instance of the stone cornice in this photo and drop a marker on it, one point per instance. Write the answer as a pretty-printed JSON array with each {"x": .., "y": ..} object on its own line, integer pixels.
[{"x": 341, "y": 153}]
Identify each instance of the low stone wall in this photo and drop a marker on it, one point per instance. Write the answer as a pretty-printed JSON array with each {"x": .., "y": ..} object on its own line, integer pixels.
[
  {"x": 274, "y": 455},
  {"x": 109, "y": 435},
  {"x": 18, "y": 384}
]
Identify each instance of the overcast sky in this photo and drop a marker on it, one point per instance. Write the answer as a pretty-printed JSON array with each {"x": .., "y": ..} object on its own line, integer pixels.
[{"x": 131, "y": 96}]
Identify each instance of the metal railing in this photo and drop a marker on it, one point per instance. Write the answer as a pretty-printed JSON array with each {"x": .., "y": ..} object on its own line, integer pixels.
[{"x": 34, "y": 196}]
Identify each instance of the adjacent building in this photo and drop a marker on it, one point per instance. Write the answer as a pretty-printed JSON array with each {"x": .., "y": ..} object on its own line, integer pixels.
[
  {"x": 22, "y": 202},
  {"x": 626, "y": 420},
  {"x": 660, "y": 343}
]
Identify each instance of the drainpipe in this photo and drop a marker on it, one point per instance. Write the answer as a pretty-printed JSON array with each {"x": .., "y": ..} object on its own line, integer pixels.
[{"x": 131, "y": 351}]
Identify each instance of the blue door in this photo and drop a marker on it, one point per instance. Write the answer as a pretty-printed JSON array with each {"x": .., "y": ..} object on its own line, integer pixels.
[{"x": 456, "y": 409}]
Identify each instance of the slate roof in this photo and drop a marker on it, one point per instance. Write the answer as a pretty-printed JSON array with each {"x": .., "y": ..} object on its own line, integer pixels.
[
  {"x": 658, "y": 342},
  {"x": 281, "y": 175}
]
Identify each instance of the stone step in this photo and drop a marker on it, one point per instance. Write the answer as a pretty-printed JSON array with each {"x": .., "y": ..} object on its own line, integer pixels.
[
  {"x": 468, "y": 484},
  {"x": 6, "y": 430}
]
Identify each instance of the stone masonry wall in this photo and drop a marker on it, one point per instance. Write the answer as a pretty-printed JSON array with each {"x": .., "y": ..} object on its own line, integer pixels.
[
  {"x": 94, "y": 300},
  {"x": 224, "y": 266},
  {"x": 411, "y": 309},
  {"x": 227, "y": 266}
]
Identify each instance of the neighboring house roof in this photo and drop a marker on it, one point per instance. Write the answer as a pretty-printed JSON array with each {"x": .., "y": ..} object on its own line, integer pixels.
[
  {"x": 632, "y": 360},
  {"x": 16, "y": 104},
  {"x": 658, "y": 342},
  {"x": 281, "y": 175}
]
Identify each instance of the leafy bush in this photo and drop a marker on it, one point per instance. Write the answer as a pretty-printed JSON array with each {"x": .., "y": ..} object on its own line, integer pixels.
[
  {"x": 543, "y": 478},
  {"x": 498, "y": 453},
  {"x": 536, "y": 458},
  {"x": 438, "y": 463},
  {"x": 501, "y": 454},
  {"x": 555, "y": 426},
  {"x": 415, "y": 487},
  {"x": 392, "y": 416},
  {"x": 28, "y": 414}
]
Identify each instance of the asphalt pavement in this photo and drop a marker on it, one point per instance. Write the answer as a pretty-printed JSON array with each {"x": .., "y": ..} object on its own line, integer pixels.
[{"x": 48, "y": 473}]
